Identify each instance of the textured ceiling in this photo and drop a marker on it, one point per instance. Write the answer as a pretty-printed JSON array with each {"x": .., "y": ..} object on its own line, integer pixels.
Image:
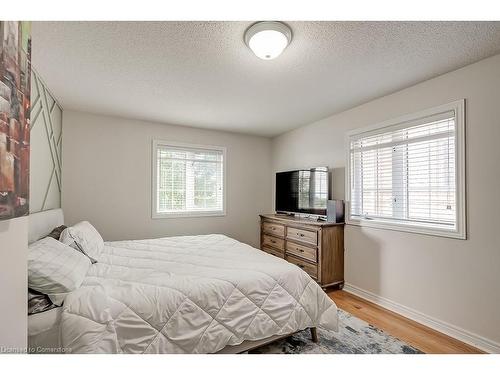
[{"x": 201, "y": 73}]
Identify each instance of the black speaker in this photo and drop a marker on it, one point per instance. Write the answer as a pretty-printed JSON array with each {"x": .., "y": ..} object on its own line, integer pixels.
[{"x": 335, "y": 211}]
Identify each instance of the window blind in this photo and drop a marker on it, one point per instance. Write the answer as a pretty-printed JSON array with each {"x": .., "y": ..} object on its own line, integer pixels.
[
  {"x": 189, "y": 180},
  {"x": 406, "y": 173}
]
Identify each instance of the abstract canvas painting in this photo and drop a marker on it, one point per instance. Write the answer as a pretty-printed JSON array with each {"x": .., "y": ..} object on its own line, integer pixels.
[{"x": 15, "y": 85}]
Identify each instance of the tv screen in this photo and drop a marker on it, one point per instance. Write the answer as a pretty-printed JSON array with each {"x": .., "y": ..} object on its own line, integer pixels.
[{"x": 302, "y": 191}]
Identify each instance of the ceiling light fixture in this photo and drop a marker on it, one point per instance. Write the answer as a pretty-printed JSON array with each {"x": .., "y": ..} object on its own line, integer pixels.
[{"x": 267, "y": 39}]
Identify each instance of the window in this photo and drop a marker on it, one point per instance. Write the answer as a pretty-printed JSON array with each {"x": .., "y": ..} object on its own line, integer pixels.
[
  {"x": 409, "y": 174},
  {"x": 188, "y": 180}
]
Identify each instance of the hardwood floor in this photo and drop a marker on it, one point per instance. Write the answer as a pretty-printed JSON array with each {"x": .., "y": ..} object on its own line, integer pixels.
[{"x": 416, "y": 334}]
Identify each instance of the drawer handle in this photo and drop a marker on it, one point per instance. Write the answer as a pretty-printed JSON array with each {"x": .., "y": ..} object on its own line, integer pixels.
[
  {"x": 300, "y": 250},
  {"x": 273, "y": 228},
  {"x": 273, "y": 241},
  {"x": 301, "y": 265},
  {"x": 300, "y": 234}
]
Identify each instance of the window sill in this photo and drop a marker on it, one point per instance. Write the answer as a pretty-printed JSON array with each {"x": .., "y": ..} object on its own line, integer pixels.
[
  {"x": 409, "y": 228},
  {"x": 176, "y": 215}
]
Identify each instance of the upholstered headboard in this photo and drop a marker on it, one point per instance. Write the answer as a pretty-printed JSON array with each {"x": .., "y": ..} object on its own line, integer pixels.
[{"x": 42, "y": 223}]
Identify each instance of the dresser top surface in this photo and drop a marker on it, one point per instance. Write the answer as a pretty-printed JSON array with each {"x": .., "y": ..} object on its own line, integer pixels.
[{"x": 298, "y": 220}]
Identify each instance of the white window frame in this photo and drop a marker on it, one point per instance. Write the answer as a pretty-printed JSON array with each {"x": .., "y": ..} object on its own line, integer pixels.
[
  {"x": 460, "y": 232},
  {"x": 166, "y": 215}
]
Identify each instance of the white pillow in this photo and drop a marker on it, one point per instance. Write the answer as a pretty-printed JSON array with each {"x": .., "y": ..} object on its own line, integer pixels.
[
  {"x": 55, "y": 269},
  {"x": 87, "y": 238}
]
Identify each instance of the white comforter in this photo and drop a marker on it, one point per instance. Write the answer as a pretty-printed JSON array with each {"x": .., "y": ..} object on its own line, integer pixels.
[{"x": 192, "y": 294}]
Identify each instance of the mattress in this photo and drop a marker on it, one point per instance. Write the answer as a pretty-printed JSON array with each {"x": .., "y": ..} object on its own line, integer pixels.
[
  {"x": 43, "y": 331},
  {"x": 189, "y": 294}
]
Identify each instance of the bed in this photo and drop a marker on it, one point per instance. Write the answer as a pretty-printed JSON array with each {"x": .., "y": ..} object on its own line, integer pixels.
[{"x": 188, "y": 294}]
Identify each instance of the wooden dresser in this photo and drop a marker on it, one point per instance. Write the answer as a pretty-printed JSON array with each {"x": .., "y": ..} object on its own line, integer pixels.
[{"x": 315, "y": 246}]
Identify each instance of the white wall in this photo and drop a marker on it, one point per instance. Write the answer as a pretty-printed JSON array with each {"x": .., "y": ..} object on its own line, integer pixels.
[
  {"x": 45, "y": 148},
  {"x": 107, "y": 178},
  {"x": 14, "y": 283},
  {"x": 453, "y": 281}
]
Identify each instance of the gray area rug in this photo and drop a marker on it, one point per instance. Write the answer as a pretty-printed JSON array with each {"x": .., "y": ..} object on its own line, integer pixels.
[{"x": 355, "y": 336}]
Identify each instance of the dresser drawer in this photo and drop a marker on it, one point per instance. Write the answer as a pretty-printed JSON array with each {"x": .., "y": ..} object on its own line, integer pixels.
[
  {"x": 302, "y": 235},
  {"x": 311, "y": 269},
  {"x": 275, "y": 242},
  {"x": 275, "y": 252},
  {"x": 274, "y": 229},
  {"x": 302, "y": 251}
]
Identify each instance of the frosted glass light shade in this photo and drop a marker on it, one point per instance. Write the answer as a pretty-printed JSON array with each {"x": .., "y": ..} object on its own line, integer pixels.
[{"x": 268, "y": 39}]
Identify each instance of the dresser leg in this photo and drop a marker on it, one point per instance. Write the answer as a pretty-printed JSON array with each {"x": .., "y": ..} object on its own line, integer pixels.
[{"x": 314, "y": 334}]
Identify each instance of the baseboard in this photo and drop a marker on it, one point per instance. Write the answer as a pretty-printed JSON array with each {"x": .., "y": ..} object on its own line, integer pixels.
[{"x": 467, "y": 337}]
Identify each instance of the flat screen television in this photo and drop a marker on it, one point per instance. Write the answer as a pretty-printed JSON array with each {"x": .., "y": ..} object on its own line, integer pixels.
[{"x": 302, "y": 191}]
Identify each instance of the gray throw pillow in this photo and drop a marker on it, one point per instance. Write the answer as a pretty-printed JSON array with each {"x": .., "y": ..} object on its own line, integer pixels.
[
  {"x": 38, "y": 302},
  {"x": 56, "y": 232}
]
